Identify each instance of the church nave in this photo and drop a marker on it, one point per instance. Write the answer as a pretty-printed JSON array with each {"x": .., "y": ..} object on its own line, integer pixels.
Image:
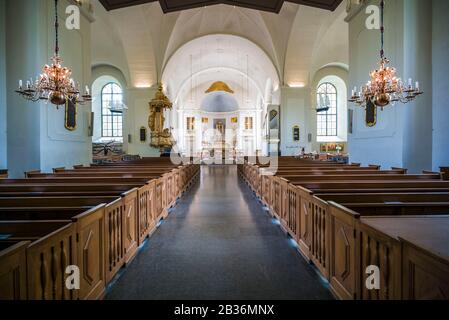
[{"x": 218, "y": 243}]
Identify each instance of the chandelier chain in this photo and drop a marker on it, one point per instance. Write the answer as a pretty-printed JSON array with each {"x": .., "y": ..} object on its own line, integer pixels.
[
  {"x": 382, "y": 29},
  {"x": 56, "y": 28}
]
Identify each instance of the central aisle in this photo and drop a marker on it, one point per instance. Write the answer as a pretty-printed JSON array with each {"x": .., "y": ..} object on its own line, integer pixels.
[{"x": 219, "y": 243}]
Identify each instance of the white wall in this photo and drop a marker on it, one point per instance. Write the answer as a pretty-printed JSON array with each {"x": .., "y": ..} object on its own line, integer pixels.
[
  {"x": 137, "y": 117},
  {"x": 3, "y": 138},
  {"x": 60, "y": 147},
  {"x": 22, "y": 42},
  {"x": 414, "y": 136},
  {"x": 417, "y": 147},
  {"x": 37, "y": 138},
  {"x": 295, "y": 111},
  {"x": 440, "y": 67},
  {"x": 381, "y": 144}
]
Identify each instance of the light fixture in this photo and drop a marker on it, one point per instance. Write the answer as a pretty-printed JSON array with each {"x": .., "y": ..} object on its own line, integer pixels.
[
  {"x": 117, "y": 107},
  {"x": 385, "y": 87},
  {"x": 297, "y": 85},
  {"x": 55, "y": 83},
  {"x": 324, "y": 103}
]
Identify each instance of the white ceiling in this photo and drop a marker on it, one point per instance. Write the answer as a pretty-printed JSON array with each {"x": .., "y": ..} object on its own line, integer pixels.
[{"x": 141, "y": 40}]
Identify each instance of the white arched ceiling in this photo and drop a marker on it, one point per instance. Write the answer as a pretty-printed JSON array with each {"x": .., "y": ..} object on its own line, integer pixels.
[
  {"x": 219, "y": 58},
  {"x": 318, "y": 38},
  {"x": 141, "y": 40},
  {"x": 107, "y": 46},
  {"x": 267, "y": 30},
  {"x": 194, "y": 89}
]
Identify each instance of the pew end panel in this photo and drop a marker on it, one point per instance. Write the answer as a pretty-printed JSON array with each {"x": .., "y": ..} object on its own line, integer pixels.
[
  {"x": 401, "y": 170},
  {"x": 90, "y": 236},
  {"x": 382, "y": 250},
  {"x": 130, "y": 224},
  {"x": 47, "y": 260},
  {"x": 146, "y": 211},
  {"x": 13, "y": 273},
  {"x": 425, "y": 275},
  {"x": 319, "y": 248},
  {"x": 29, "y": 174},
  {"x": 445, "y": 173},
  {"x": 343, "y": 273},
  {"x": 305, "y": 220},
  {"x": 3, "y": 174},
  {"x": 114, "y": 231}
]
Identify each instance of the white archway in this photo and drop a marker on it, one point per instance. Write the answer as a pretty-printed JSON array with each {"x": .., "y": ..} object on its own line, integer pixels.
[{"x": 234, "y": 60}]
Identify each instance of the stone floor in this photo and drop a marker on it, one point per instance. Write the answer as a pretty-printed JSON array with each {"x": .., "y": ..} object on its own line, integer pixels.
[{"x": 219, "y": 243}]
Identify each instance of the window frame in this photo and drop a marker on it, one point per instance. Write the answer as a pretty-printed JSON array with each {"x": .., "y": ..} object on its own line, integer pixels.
[
  {"x": 112, "y": 115},
  {"x": 328, "y": 116}
]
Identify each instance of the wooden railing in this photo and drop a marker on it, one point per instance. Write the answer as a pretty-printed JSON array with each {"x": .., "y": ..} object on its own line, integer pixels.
[
  {"x": 319, "y": 251},
  {"x": 91, "y": 253},
  {"x": 47, "y": 260}
]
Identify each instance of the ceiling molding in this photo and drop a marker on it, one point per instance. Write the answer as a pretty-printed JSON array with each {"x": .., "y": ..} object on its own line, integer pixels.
[{"x": 263, "y": 5}]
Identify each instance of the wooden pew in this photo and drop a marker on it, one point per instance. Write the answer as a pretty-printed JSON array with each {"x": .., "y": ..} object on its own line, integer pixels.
[
  {"x": 13, "y": 271},
  {"x": 3, "y": 174},
  {"x": 394, "y": 244},
  {"x": 304, "y": 205},
  {"x": 113, "y": 229}
]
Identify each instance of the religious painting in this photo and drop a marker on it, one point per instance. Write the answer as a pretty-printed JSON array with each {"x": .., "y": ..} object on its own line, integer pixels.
[
  {"x": 296, "y": 134},
  {"x": 249, "y": 123},
  {"x": 332, "y": 147},
  {"x": 143, "y": 134},
  {"x": 205, "y": 120},
  {"x": 70, "y": 121},
  {"x": 190, "y": 123},
  {"x": 371, "y": 113}
]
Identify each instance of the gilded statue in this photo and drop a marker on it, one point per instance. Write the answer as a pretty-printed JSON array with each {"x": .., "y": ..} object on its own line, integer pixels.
[{"x": 160, "y": 137}]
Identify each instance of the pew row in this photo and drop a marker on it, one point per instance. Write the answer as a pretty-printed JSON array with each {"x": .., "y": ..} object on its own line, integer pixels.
[
  {"x": 99, "y": 223},
  {"x": 304, "y": 199}
]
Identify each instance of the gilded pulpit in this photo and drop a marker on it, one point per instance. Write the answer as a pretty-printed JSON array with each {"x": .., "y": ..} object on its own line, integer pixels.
[{"x": 160, "y": 138}]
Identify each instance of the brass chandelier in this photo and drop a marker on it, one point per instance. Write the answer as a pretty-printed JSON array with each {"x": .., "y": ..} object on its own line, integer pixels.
[
  {"x": 385, "y": 87},
  {"x": 55, "y": 84}
]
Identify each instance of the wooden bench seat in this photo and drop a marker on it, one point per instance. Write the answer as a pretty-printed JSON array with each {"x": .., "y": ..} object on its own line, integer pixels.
[
  {"x": 29, "y": 229},
  {"x": 356, "y": 177}
]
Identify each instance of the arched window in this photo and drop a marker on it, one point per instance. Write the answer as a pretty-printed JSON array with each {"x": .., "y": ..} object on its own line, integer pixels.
[
  {"x": 111, "y": 122},
  {"x": 327, "y": 120}
]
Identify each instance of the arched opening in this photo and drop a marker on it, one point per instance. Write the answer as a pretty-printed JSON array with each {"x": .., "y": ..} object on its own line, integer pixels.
[
  {"x": 108, "y": 93},
  {"x": 219, "y": 82},
  {"x": 332, "y": 110}
]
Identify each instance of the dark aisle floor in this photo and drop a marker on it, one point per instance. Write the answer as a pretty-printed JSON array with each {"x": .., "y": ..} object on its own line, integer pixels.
[{"x": 219, "y": 243}]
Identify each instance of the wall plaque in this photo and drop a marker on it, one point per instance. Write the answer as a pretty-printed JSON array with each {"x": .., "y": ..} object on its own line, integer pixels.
[
  {"x": 70, "y": 115},
  {"x": 296, "y": 134}
]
